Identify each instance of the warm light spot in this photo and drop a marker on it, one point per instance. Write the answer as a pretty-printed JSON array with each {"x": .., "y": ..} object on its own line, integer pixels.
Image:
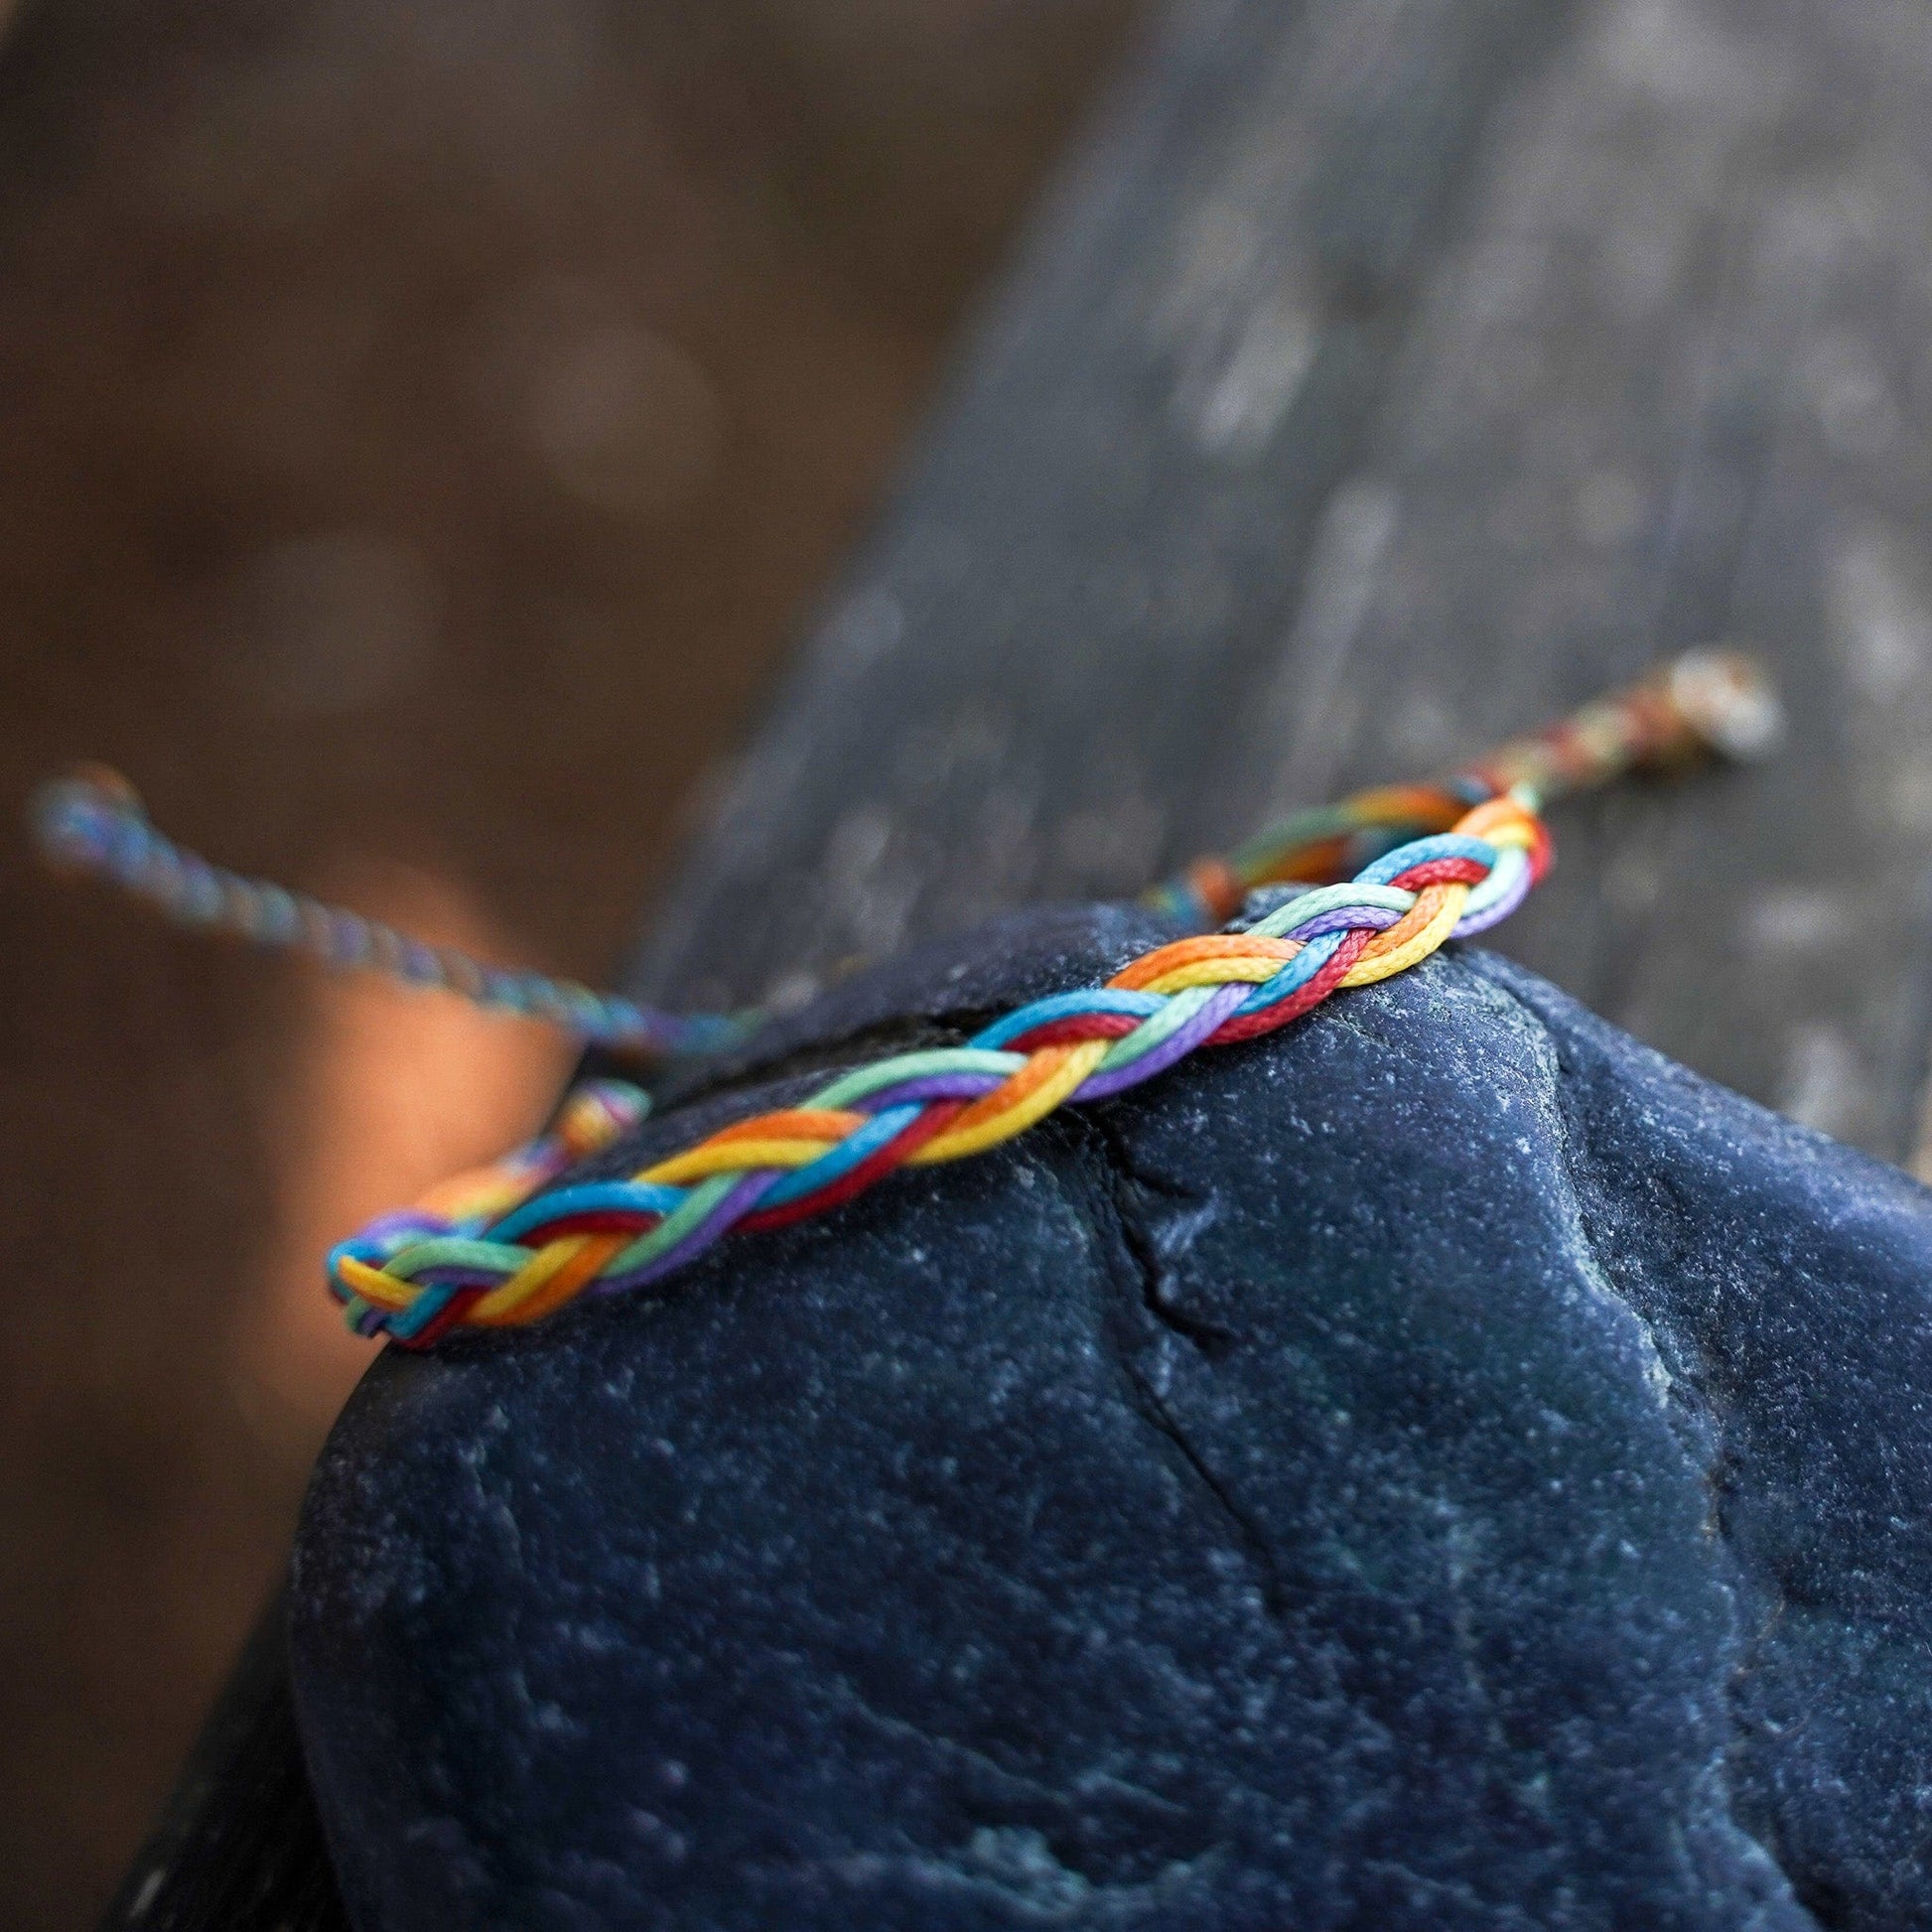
[{"x": 393, "y": 1089}]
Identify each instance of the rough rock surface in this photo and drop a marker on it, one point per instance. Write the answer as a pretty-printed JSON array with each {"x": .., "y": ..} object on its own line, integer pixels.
[{"x": 1443, "y": 1468}]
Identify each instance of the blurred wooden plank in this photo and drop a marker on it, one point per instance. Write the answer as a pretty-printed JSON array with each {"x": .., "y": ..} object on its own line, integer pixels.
[
  {"x": 1034, "y": 678},
  {"x": 1667, "y": 387},
  {"x": 1388, "y": 376}
]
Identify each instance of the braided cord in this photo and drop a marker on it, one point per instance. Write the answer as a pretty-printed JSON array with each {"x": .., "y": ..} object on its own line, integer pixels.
[{"x": 415, "y": 1277}]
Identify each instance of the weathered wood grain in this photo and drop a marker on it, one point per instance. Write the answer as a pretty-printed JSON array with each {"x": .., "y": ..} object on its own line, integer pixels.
[
  {"x": 1388, "y": 376},
  {"x": 1035, "y": 680}
]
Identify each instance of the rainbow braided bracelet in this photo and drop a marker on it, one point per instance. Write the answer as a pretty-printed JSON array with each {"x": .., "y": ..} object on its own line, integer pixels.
[
  {"x": 501, "y": 1247},
  {"x": 416, "y": 1275}
]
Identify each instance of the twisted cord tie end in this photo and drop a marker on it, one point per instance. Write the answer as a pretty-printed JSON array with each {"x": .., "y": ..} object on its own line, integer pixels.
[{"x": 92, "y": 821}]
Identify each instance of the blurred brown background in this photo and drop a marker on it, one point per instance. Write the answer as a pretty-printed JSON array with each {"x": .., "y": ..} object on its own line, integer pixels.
[{"x": 424, "y": 424}]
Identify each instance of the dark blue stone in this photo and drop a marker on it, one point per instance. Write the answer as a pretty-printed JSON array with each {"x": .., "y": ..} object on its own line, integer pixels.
[{"x": 1443, "y": 1467}]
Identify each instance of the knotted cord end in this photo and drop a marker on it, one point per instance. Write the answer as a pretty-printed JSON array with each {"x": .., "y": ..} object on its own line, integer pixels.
[{"x": 76, "y": 818}]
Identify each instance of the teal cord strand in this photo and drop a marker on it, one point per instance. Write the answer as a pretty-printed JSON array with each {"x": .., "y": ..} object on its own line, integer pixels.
[{"x": 92, "y": 821}]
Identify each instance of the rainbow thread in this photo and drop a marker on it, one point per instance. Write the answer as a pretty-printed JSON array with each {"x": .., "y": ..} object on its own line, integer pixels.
[{"x": 417, "y": 1276}]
